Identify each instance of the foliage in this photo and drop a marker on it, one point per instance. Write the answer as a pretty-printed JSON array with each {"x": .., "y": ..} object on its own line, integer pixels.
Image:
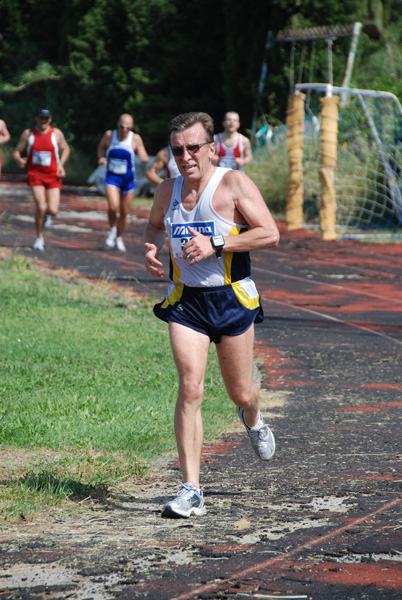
[
  {"x": 153, "y": 59},
  {"x": 269, "y": 171},
  {"x": 89, "y": 60}
]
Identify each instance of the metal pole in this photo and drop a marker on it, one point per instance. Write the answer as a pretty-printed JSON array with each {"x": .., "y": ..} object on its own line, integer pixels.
[
  {"x": 329, "y": 58},
  {"x": 352, "y": 53},
  {"x": 263, "y": 76},
  {"x": 351, "y": 59},
  {"x": 322, "y": 87}
]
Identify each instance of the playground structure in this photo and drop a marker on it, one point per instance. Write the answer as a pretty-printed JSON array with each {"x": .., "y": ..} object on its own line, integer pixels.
[{"x": 344, "y": 145}]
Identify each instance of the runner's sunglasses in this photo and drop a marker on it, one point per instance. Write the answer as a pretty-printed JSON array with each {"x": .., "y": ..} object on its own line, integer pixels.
[{"x": 193, "y": 149}]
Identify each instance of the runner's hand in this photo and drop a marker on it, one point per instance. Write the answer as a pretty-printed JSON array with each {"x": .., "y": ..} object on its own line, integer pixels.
[
  {"x": 152, "y": 264},
  {"x": 198, "y": 248}
]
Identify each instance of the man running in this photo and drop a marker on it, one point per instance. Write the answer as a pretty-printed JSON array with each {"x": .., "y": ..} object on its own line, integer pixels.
[
  {"x": 47, "y": 153},
  {"x": 232, "y": 149},
  {"x": 117, "y": 150},
  {"x": 213, "y": 217},
  {"x": 164, "y": 161}
]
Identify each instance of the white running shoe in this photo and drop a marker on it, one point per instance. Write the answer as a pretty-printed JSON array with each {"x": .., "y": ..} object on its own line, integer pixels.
[
  {"x": 120, "y": 244},
  {"x": 189, "y": 501},
  {"x": 111, "y": 238},
  {"x": 262, "y": 440},
  {"x": 39, "y": 244}
]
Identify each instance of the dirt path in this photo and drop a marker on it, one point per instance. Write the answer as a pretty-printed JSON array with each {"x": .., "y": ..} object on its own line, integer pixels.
[{"x": 324, "y": 519}]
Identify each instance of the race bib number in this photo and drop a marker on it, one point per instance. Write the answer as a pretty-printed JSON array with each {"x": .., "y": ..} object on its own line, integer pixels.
[
  {"x": 181, "y": 235},
  {"x": 229, "y": 162},
  {"x": 44, "y": 159},
  {"x": 117, "y": 166}
]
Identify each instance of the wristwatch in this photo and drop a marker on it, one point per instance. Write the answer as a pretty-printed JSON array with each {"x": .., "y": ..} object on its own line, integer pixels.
[{"x": 218, "y": 243}]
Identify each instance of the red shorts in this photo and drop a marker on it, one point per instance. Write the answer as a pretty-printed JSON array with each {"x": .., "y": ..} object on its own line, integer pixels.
[{"x": 46, "y": 180}]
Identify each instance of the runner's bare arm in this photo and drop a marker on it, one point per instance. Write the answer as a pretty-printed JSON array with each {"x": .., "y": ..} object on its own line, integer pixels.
[
  {"x": 20, "y": 148},
  {"x": 4, "y": 133},
  {"x": 139, "y": 148},
  {"x": 160, "y": 162},
  {"x": 65, "y": 153},
  {"x": 103, "y": 146},
  {"x": 250, "y": 206},
  {"x": 154, "y": 233},
  {"x": 238, "y": 200},
  {"x": 247, "y": 153}
]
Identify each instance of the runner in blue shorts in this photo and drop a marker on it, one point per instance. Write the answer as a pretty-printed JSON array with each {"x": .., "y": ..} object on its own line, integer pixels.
[
  {"x": 117, "y": 150},
  {"x": 214, "y": 311},
  {"x": 213, "y": 217},
  {"x": 124, "y": 183}
]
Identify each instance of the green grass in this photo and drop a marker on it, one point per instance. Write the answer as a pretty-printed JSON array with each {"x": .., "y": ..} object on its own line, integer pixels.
[{"x": 87, "y": 391}]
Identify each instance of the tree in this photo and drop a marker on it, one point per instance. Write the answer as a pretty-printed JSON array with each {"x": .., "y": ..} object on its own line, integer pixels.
[{"x": 89, "y": 60}]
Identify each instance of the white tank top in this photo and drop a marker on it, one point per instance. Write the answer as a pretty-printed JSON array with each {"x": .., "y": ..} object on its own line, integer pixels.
[
  {"x": 211, "y": 271},
  {"x": 227, "y": 156},
  {"x": 120, "y": 155},
  {"x": 172, "y": 168}
]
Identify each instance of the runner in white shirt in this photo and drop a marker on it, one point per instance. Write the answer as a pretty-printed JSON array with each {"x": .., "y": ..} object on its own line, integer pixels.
[
  {"x": 164, "y": 160},
  {"x": 117, "y": 150},
  {"x": 232, "y": 149},
  {"x": 213, "y": 218}
]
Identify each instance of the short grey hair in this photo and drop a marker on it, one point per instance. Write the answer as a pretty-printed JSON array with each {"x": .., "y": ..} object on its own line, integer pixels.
[{"x": 187, "y": 120}]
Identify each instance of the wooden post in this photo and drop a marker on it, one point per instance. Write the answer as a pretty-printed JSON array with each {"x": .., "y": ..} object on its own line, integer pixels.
[
  {"x": 295, "y": 191},
  {"x": 329, "y": 143}
]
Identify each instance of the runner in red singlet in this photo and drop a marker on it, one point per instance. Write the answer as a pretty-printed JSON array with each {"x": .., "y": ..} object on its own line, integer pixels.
[
  {"x": 46, "y": 154},
  {"x": 232, "y": 149}
]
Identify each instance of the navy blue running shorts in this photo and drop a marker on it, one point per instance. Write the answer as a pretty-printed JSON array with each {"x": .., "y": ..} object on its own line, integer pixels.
[{"x": 214, "y": 311}]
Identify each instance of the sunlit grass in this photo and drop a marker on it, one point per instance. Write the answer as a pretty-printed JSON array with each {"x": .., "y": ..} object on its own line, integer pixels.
[{"x": 89, "y": 379}]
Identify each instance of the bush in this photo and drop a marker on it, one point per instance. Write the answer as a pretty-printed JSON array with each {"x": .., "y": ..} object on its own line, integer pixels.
[{"x": 270, "y": 171}]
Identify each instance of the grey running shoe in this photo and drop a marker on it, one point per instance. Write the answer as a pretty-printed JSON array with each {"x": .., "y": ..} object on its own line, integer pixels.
[
  {"x": 261, "y": 441},
  {"x": 189, "y": 501}
]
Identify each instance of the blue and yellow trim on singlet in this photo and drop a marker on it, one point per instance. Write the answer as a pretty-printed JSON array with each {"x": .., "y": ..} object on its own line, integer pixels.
[
  {"x": 237, "y": 268},
  {"x": 213, "y": 311}
]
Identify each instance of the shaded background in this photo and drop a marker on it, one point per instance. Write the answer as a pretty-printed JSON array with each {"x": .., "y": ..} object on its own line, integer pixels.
[{"x": 89, "y": 60}]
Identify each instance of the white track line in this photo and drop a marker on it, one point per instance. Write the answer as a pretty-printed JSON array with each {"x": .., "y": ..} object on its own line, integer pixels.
[
  {"x": 333, "y": 285},
  {"x": 393, "y": 260},
  {"x": 335, "y": 319}
]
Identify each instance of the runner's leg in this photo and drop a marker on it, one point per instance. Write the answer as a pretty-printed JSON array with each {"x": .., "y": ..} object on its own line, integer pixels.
[
  {"x": 125, "y": 203},
  {"x": 113, "y": 200},
  {"x": 53, "y": 201},
  {"x": 39, "y": 195},
  {"x": 236, "y": 361},
  {"x": 191, "y": 366}
]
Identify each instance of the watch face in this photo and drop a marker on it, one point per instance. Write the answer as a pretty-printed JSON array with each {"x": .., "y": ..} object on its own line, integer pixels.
[{"x": 218, "y": 241}]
